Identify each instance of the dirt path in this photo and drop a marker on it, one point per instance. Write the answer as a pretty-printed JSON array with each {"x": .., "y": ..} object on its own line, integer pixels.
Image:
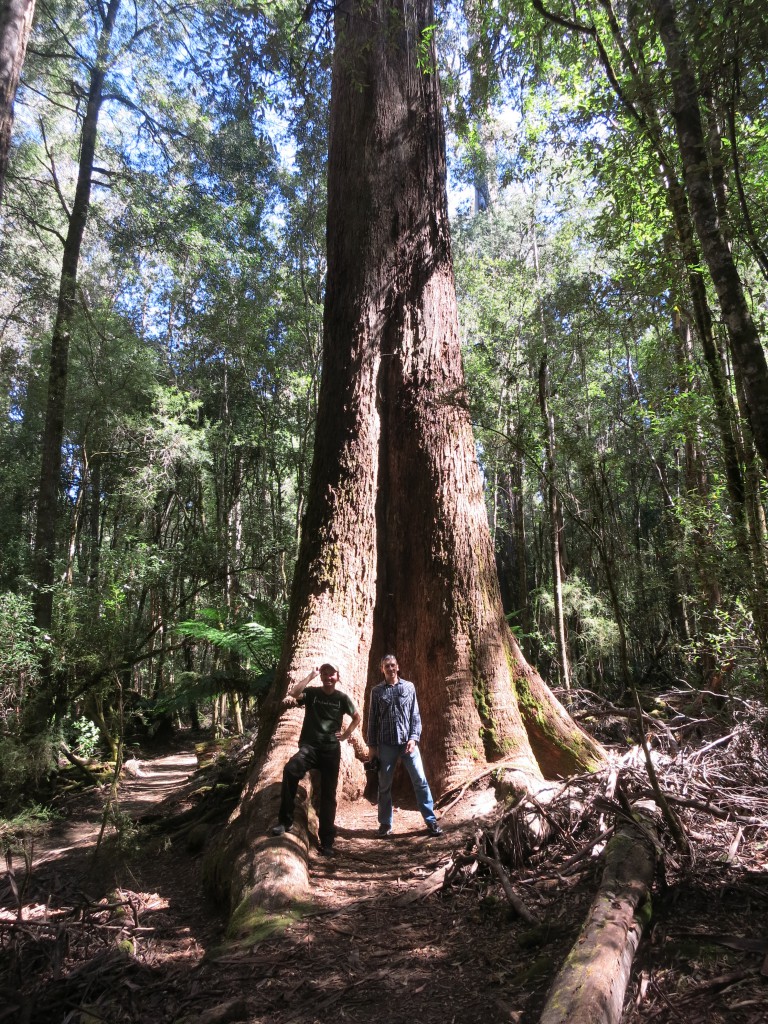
[
  {"x": 127, "y": 937},
  {"x": 156, "y": 780},
  {"x": 381, "y": 945}
]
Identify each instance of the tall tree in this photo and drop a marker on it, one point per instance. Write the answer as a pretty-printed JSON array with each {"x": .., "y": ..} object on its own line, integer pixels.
[
  {"x": 53, "y": 434},
  {"x": 15, "y": 25},
  {"x": 396, "y": 551},
  {"x": 746, "y": 345}
]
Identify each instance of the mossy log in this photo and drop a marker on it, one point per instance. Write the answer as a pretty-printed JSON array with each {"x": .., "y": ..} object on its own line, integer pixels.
[
  {"x": 257, "y": 874},
  {"x": 590, "y": 987}
]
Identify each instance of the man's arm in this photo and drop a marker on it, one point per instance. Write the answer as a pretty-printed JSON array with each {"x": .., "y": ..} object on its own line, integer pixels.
[
  {"x": 414, "y": 733},
  {"x": 298, "y": 688},
  {"x": 373, "y": 723},
  {"x": 344, "y": 734}
]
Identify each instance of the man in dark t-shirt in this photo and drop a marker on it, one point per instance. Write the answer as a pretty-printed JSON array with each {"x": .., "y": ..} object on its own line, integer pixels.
[{"x": 319, "y": 747}]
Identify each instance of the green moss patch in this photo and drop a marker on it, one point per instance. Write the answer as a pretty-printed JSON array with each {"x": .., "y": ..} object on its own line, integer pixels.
[{"x": 250, "y": 925}]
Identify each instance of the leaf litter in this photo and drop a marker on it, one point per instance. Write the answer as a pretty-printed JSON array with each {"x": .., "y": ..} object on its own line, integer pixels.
[{"x": 469, "y": 927}]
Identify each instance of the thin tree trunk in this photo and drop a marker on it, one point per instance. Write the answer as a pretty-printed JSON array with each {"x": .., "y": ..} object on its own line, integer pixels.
[
  {"x": 511, "y": 548},
  {"x": 746, "y": 346},
  {"x": 723, "y": 403},
  {"x": 236, "y": 712},
  {"x": 643, "y": 108},
  {"x": 758, "y": 546},
  {"x": 94, "y": 524},
  {"x": 550, "y": 487},
  {"x": 752, "y": 238},
  {"x": 16, "y": 18},
  {"x": 53, "y": 431}
]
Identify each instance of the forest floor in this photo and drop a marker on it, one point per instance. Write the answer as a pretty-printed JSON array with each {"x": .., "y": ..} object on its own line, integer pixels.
[{"x": 125, "y": 934}]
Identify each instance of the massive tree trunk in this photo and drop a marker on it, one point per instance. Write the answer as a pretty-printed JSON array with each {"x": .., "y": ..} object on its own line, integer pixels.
[
  {"x": 396, "y": 552},
  {"x": 15, "y": 25}
]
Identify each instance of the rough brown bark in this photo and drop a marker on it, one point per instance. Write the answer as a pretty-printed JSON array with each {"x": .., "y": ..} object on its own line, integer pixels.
[
  {"x": 15, "y": 26},
  {"x": 590, "y": 987},
  {"x": 396, "y": 553}
]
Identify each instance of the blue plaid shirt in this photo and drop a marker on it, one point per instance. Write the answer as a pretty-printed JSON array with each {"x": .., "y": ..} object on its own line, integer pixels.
[{"x": 394, "y": 717}]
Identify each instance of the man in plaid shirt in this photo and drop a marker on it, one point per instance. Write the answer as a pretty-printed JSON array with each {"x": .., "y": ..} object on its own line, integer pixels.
[{"x": 394, "y": 729}]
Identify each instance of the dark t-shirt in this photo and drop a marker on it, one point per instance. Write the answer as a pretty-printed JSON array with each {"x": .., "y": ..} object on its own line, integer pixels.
[{"x": 323, "y": 715}]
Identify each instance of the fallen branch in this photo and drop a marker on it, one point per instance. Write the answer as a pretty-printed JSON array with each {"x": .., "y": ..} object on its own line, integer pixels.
[
  {"x": 673, "y": 822},
  {"x": 586, "y": 850},
  {"x": 81, "y": 766},
  {"x": 63, "y": 926},
  {"x": 498, "y": 869},
  {"x": 713, "y": 809},
  {"x": 710, "y": 746},
  {"x": 464, "y": 786},
  {"x": 425, "y": 886},
  {"x": 718, "y": 984}
]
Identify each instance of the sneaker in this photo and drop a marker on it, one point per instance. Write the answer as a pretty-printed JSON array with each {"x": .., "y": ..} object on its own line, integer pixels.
[
  {"x": 280, "y": 830},
  {"x": 434, "y": 829},
  {"x": 327, "y": 851},
  {"x": 384, "y": 831}
]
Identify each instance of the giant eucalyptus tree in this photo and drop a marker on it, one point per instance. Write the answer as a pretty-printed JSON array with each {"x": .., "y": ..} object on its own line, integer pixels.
[{"x": 396, "y": 552}]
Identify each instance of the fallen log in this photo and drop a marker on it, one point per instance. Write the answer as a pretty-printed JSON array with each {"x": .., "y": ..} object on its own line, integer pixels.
[{"x": 590, "y": 986}]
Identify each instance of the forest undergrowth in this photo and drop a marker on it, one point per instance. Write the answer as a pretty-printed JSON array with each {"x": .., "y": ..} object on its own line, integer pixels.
[{"x": 470, "y": 926}]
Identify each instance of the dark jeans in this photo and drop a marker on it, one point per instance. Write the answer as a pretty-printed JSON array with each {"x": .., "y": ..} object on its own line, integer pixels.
[{"x": 326, "y": 760}]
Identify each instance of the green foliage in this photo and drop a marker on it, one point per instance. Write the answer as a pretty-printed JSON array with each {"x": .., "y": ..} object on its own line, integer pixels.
[
  {"x": 593, "y": 633},
  {"x": 255, "y": 643},
  {"x": 731, "y": 646},
  {"x": 22, "y": 650},
  {"x": 23, "y": 768},
  {"x": 194, "y": 348},
  {"x": 648, "y": 525},
  {"x": 19, "y": 830},
  {"x": 123, "y": 836},
  {"x": 425, "y": 59},
  {"x": 196, "y": 344},
  {"x": 203, "y": 688},
  {"x": 85, "y": 736}
]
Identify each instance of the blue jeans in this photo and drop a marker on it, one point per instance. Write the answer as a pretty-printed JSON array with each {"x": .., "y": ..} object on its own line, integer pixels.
[{"x": 388, "y": 758}]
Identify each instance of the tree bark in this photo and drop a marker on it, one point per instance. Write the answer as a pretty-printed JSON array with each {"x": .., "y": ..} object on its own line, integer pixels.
[
  {"x": 590, "y": 987},
  {"x": 745, "y": 342},
  {"x": 15, "y": 26},
  {"x": 396, "y": 553}
]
